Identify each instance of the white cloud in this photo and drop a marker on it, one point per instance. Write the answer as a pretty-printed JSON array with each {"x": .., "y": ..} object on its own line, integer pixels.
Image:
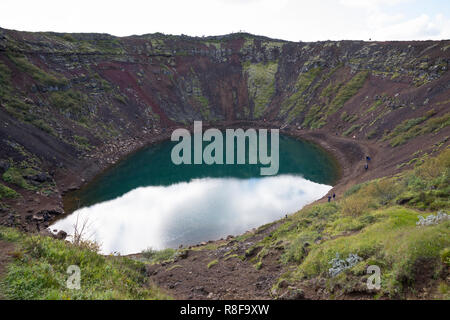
[
  {"x": 371, "y": 3},
  {"x": 422, "y": 27},
  {"x": 195, "y": 211}
]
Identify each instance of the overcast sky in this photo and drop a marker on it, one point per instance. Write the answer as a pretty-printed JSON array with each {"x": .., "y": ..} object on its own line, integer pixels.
[{"x": 284, "y": 19}]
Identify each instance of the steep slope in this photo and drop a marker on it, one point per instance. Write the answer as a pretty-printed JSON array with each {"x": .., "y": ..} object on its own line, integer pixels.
[{"x": 72, "y": 104}]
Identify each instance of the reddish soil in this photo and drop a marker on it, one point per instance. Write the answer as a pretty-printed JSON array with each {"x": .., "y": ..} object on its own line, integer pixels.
[{"x": 230, "y": 278}]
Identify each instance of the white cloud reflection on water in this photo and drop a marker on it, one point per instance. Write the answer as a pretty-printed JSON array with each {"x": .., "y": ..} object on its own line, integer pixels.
[{"x": 191, "y": 212}]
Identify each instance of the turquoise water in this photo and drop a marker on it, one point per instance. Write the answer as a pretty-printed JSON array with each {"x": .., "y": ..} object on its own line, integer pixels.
[{"x": 147, "y": 201}]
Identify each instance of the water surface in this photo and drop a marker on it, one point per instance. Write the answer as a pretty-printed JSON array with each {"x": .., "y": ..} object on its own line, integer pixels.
[{"x": 147, "y": 201}]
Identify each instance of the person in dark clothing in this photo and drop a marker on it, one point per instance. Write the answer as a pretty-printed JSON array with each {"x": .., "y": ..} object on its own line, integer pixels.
[
  {"x": 366, "y": 166},
  {"x": 334, "y": 196},
  {"x": 329, "y": 198}
]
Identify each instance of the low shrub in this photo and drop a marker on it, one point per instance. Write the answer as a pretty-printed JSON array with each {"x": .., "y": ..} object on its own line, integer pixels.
[
  {"x": 157, "y": 256},
  {"x": 6, "y": 192},
  {"x": 212, "y": 263},
  {"x": 40, "y": 272},
  {"x": 14, "y": 176}
]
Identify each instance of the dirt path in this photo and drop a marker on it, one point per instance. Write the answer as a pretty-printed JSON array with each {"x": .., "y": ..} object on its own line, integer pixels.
[
  {"x": 5, "y": 249},
  {"x": 229, "y": 278}
]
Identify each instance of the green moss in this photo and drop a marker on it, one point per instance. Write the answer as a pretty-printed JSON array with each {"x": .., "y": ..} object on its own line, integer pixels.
[
  {"x": 82, "y": 142},
  {"x": 395, "y": 75},
  {"x": 378, "y": 103},
  {"x": 200, "y": 101},
  {"x": 412, "y": 128},
  {"x": 328, "y": 91},
  {"x": 16, "y": 107},
  {"x": 228, "y": 257},
  {"x": 348, "y": 117},
  {"x": 176, "y": 266},
  {"x": 204, "y": 106},
  {"x": 296, "y": 103},
  {"x": 315, "y": 118},
  {"x": 41, "y": 76},
  {"x": 39, "y": 271},
  {"x": 7, "y": 193},
  {"x": 70, "y": 102},
  {"x": 120, "y": 98},
  {"x": 14, "y": 176},
  {"x": 212, "y": 263},
  {"x": 347, "y": 91},
  {"x": 351, "y": 129},
  {"x": 69, "y": 37},
  {"x": 445, "y": 256},
  {"x": 44, "y": 126},
  {"x": 5, "y": 80},
  {"x": 261, "y": 84}
]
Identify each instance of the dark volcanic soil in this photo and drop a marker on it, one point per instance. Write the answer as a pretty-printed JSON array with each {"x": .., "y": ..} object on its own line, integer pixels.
[{"x": 229, "y": 278}]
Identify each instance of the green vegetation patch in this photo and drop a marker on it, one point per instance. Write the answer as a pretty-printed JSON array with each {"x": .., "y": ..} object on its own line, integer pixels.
[
  {"x": 295, "y": 104},
  {"x": 212, "y": 263},
  {"x": 157, "y": 256},
  {"x": 69, "y": 102},
  {"x": 14, "y": 175},
  {"x": 315, "y": 117},
  {"x": 39, "y": 271},
  {"x": 5, "y": 80},
  {"x": 82, "y": 142},
  {"x": 35, "y": 72},
  {"x": 348, "y": 117},
  {"x": 351, "y": 129},
  {"x": 261, "y": 84},
  {"x": 7, "y": 193},
  {"x": 412, "y": 128},
  {"x": 377, "y": 220},
  {"x": 200, "y": 100},
  {"x": 347, "y": 91},
  {"x": 394, "y": 243}
]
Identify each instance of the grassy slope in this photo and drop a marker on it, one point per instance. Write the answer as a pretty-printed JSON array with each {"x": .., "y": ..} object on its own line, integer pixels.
[
  {"x": 370, "y": 222},
  {"x": 39, "y": 267}
]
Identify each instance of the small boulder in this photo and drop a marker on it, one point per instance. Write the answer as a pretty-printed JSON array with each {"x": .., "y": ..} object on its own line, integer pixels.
[
  {"x": 283, "y": 284},
  {"x": 4, "y": 165},
  {"x": 293, "y": 294},
  {"x": 61, "y": 235},
  {"x": 183, "y": 254},
  {"x": 42, "y": 177},
  {"x": 37, "y": 218}
]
